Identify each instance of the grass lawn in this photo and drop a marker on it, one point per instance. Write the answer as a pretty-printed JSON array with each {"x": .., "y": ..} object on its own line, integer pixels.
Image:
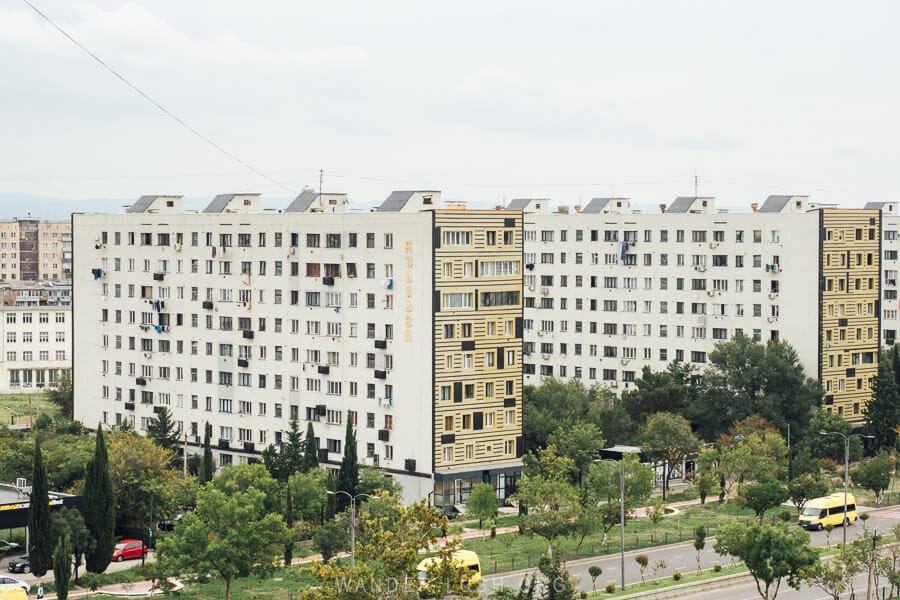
[
  {"x": 512, "y": 551},
  {"x": 17, "y": 404}
]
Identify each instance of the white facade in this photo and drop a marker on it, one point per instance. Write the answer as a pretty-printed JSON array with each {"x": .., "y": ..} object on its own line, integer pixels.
[
  {"x": 890, "y": 243},
  {"x": 608, "y": 292},
  {"x": 221, "y": 317},
  {"x": 36, "y": 347}
]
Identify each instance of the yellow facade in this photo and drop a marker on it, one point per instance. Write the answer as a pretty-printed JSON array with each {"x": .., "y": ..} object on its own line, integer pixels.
[
  {"x": 477, "y": 347},
  {"x": 849, "y": 309}
]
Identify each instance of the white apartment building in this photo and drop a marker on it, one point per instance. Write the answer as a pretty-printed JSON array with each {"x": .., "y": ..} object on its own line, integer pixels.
[
  {"x": 609, "y": 290},
  {"x": 245, "y": 319},
  {"x": 890, "y": 240},
  {"x": 36, "y": 347}
]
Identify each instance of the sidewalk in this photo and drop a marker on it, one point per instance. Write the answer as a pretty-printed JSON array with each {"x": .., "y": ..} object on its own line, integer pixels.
[{"x": 135, "y": 589}]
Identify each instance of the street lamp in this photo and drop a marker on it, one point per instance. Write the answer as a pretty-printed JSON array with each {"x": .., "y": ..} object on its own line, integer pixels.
[
  {"x": 846, "y": 470},
  {"x": 621, "y": 512},
  {"x": 352, "y": 520}
]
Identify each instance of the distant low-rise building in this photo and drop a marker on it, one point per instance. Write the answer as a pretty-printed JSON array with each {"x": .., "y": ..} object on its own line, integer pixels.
[{"x": 35, "y": 250}]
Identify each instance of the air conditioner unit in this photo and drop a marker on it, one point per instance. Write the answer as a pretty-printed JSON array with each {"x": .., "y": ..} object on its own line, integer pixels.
[
  {"x": 772, "y": 319},
  {"x": 710, "y": 292},
  {"x": 177, "y": 247},
  {"x": 714, "y": 244},
  {"x": 701, "y": 268},
  {"x": 530, "y": 288},
  {"x": 625, "y": 361},
  {"x": 614, "y": 384},
  {"x": 292, "y": 250},
  {"x": 773, "y": 295},
  {"x": 148, "y": 355},
  {"x": 545, "y": 356},
  {"x": 540, "y": 333}
]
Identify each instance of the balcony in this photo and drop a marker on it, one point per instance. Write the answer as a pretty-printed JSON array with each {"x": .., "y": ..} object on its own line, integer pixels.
[
  {"x": 243, "y": 362},
  {"x": 324, "y": 369},
  {"x": 380, "y": 374},
  {"x": 207, "y": 304},
  {"x": 248, "y": 334}
]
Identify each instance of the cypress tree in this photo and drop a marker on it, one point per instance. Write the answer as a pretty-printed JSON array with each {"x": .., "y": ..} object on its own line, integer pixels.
[
  {"x": 310, "y": 450},
  {"x": 99, "y": 508},
  {"x": 62, "y": 566},
  {"x": 292, "y": 454},
  {"x": 348, "y": 479},
  {"x": 895, "y": 364},
  {"x": 207, "y": 466},
  {"x": 40, "y": 541},
  {"x": 289, "y": 521},
  {"x": 882, "y": 411}
]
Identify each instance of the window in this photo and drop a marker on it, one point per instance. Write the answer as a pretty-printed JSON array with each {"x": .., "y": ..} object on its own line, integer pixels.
[
  {"x": 459, "y": 300},
  {"x": 457, "y": 238}
]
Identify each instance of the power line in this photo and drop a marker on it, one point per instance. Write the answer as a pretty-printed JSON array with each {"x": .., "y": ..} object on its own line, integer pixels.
[{"x": 154, "y": 102}]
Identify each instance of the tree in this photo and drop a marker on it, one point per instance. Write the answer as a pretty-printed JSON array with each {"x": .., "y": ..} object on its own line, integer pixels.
[
  {"x": 289, "y": 523},
  {"x": 831, "y": 446},
  {"x": 62, "y": 395},
  {"x": 594, "y": 571},
  {"x": 242, "y": 477},
  {"x": 642, "y": 561},
  {"x": 308, "y": 495},
  {"x": 284, "y": 463},
  {"x": 553, "y": 502},
  {"x": 805, "y": 487},
  {"x": 228, "y": 534},
  {"x": 746, "y": 378},
  {"x": 373, "y": 479},
  {"x": 603, "y": 484},
  {"x": 348, "y": 477},
  {"x": 699, "y": 542},
  {"x": 139, "y": 469},
  {"x": 771, "y": 554},
  {"x": 207, "y": 465},
  {"x": 760, "y": 497},
  {"x": 99, "y": 502},
  {"x": 705, "y": 483},
  {"x": 667, "y": 439},
  {"x": 310, "y": 450},
  {"x": 753, "y": 449},
  {"x": 482, "y": 503},
  {"x": 332, "y": 537},
  {"x": 660, "y": 391},
  {"x": 582, "y": 442},
  {"x": 882, "y": 411},
  {"x": 835, "y": 576},
  {"x": 875, "y": 475},
  {"x": 69, "y": 522},
  {"x": 40, "y": 542},
  {"x": 558, "y": 582},
  {"x": 62, "y": 566},
  {"x": 163, "y": 430}
]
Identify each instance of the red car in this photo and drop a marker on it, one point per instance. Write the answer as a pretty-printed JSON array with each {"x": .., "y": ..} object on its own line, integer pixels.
[{"x": 129, "y": 549}]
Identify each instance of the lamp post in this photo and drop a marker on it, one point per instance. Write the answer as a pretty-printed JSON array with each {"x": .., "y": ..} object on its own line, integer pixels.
[
  {"x": 846, "y": 471},
  {"x": 352, "y": 520},
  {"x": 621, "y": 514}
]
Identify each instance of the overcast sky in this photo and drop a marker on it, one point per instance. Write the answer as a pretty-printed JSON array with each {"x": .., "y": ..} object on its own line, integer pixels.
[{"x": 486, "y": 101}]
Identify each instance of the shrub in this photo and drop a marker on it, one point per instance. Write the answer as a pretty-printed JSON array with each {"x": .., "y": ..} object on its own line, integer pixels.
[
  {"x": 785, "y": 516},
  {"x": 717, "y": 567},
  {"x": 583, "y": 594},
  {"x": 610, "y": 588},
  {"x": 676, "y": 575}
]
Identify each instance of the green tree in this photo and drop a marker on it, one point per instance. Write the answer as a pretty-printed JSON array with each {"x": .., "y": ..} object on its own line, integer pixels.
[
  {"x": 62, "y": 566},
  {"x": 761, "y": 496},
  {"x": 805, "y": 487},
  {"x": 308, "y": 494},
  {"x": 163, "y": 430},
  {"x": 582, "y": 442},
  {"x": 875, "y": 475},
  {"x": 558, "y": 582},
  {"x": 348, "y": 477},
  {"x": 554, "y": 503},
  {"x": 230, "y": 535},
  {"x": 835, "y": 576},
  {"x": 139, "y": 469},
  {"x": 667, "y": 439},
  {"x": 242, "y": 477},
  {"x": 660, "y": 391},
  {"x": 699, "y": 542},
  {"x": 289, "y": 523},
  {"x": 207, "y": 465},
  {"x": 882, "y": 411},
  {"x": 831, "y": 446},
  {"x": 771, "y": 554},
  {"x": 482, "y": 503},
  {"x": 332, "y": 537},
  {"x": 373, "y": 479},
  {"x": 594, "y": 571},
  {"x": 310, "y": 450},
  {"x": 99, "y": 508},
  {"x": 69, "y": 522},
  {"x": 40, "y": 541},
  {"x": 62, "y": 395},
  {"x": 284, "y": 463},
  {"x": 706, "y": 483},
  {"x": 603, "y": 484},
  {"x": 746, "y": 378}
]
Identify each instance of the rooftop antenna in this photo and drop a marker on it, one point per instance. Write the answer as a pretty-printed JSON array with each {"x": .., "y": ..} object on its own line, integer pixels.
[
  {"x": 321, "y": 180},
  {"x": 696, "y": 186}
]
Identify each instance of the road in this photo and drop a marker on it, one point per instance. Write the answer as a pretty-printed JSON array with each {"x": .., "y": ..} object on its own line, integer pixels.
[
  {"x": 682, "y": 557},
  {"x": 112, "y": 568}
]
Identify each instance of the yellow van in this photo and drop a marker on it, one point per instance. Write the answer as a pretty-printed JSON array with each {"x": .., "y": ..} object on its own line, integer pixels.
[
  {"x": 462, "y": 558},
  {"x": 819, "y": 513},
  {"x": 12, "y": 593}
]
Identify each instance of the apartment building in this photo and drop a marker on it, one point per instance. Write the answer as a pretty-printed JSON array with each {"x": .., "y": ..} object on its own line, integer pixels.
[
  {"x": 406, "y": 320},
  {"x": 35, "y": 250},
  {"x": 36, "y": 347},
  {"x": 609, "y": 290},
  {"x": 890, "y": 244}
]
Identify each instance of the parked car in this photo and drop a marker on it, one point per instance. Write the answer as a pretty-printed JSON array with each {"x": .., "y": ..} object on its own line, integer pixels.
[
  {"x": 21, "y": 564},
  {"x": 128, "y": 549},
  {"x": 12, "y": 582},
  {"x": 9, "y": 547},
  {"x": 169, "y": 524}
]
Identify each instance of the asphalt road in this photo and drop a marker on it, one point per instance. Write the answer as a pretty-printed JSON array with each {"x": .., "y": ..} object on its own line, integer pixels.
[
  {"x": 682, "y": 557},
  {"x": 112, "y": 568}
]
